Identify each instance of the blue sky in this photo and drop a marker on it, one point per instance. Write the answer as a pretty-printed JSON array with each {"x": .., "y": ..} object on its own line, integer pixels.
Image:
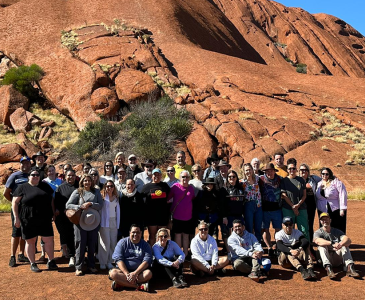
[{"x": 351, "y": 11}]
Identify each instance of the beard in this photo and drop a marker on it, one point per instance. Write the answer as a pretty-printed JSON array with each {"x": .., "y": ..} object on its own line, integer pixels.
[
  {"x": 149, "y": 173},
  {"x": 132, "y": 166}
]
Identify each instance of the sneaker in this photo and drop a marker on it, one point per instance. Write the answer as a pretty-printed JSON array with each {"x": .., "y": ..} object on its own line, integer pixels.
[
  {"x": 221, "y": 272},
  {"x": 144, "y": 287},
  {"x": 254, "y": 276},
  {"x": 351, "y": 272},
  {"x": 71, "y": 262},
  {"x": 12, "y": 261},
  {"x": 93, "y": 270},
  {"x": 311, "y": 273},
  {"x": 330, "y": 272},
  {"x": 305, "y": 274},
  {"x": 23, "y": 258},
  {"x": 79, "y": 273},
  {"x": 51, "y": 265},
  {"x": 34, "y": 268},
  {"x": 116, "y": 287},
  {"x": 176, "y": 283},
  {"x": 102, "y": 267},
  {"x": 182, "y": 281}
]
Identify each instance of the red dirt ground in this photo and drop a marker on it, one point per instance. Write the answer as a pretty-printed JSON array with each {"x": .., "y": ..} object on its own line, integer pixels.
[{"x": 21, "y": 283}]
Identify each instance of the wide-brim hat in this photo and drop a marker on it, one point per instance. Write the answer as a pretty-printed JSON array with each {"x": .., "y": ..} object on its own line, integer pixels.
[
  {"x": 224, "y": 163},
  {"x": 269, "y": 166},
  {"x": 39, "y": 153},
  {"x": 90, "y": 219},
  {"x": 213, "y": 157},
  {"x": 209, "y": 180}
]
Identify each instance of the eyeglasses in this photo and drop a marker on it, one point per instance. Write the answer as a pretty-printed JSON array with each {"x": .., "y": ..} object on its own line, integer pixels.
[
  {"x": 303, "y": 170},
  {"x": 196, "y": 171},
  {"x": 108, "y": 166},
  {"x": 184, "y": 177},
  {"x": 109, "y": 186},
  {"x": 291, "y": 169},
  {"x": 133, "y": 158},
  {"x": 170, "y": 171},
  {"x": 288, "y": 224},
  {"x": 325, "y": 174},
  {"x": 203, "y": 229},
  {"x": 232, "y": 177},
  {"x": 34, "y": 175},
  {"x": 163, "y": 236}
]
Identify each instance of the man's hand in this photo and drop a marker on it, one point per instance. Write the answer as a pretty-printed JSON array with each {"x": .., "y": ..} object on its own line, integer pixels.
[
  {"x": 211, "y": 269},
  {"x": 337, "y": 246},
  {"x": 295, "y": 209},
  {"x": 176, "y": 264},
  {"x": 132, "y": 277},
  {"x": 257, "y": 255},
  {"x": 294, "y": 252}
]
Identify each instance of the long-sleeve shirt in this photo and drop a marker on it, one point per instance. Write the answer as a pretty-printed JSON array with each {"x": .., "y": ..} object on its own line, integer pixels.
[
  {"x": 63, "y": 194},
  {"x": 105, "y": 212},
  {"x": 141, "y": 179},
  {"x": 243, "y": 246},
  {"x": 133, "y": 255},
  {"x": 335, "y": 196},
  {"x": 95, "y": 197},
  {"x": 167, "y": 258},
  {"x": 204, "y": 250}
]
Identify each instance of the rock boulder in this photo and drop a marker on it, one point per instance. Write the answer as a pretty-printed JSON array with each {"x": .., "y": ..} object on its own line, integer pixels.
[{"x": 10, "y": 100}]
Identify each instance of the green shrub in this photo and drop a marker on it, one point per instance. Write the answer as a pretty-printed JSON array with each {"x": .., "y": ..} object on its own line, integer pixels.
[
  {"x": 153, "y": 127},
  {"x": 24, "y": 78},
  {"x": 95, "y": 140},
  {"x": 301, "y": 68},
  {"x": 5, "y": 205}
]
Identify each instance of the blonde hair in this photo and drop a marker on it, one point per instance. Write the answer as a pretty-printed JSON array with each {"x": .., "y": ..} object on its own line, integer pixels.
[{"x": 162, "y": 230}]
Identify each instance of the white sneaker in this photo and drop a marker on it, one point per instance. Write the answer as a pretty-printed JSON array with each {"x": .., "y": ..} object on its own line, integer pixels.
[
  {"x": 72, "y": 262},
  {"x": 102, "y": 267},
  {"x": 110, "y": 266}
]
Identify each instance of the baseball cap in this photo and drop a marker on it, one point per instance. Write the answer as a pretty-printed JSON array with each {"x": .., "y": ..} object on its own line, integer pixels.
[
  {"x": 324, "y": 214},
  {"x": 132, "y": 155},
  {"x": 287, "y": 219},
  {"x": 157, "y": 170},
  {"x": 24, "y": 158}
]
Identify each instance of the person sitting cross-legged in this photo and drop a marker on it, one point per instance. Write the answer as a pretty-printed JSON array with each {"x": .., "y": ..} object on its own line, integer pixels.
[
  {"x": 333, "y": 247},
  {"x": 204, "y": 251},
  {"x": 246, "y": 251},
  {"x": 133, "y": 256},
  {"x": 294, "y": 248}
]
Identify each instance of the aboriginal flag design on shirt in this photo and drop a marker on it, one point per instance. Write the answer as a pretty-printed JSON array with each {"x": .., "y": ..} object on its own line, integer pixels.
[{"x": 157, "y": 194}]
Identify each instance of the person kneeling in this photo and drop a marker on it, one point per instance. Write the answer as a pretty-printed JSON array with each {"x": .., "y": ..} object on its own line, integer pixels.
[
  {"x": 133, "y": 257},
  {"x": 169, "y": 257},
  {"x": 204, "y": 251},
  {"x": 333, "y": 247},
  {"x": 294, "y": 247},
  {"x": 245, "y": 250}
]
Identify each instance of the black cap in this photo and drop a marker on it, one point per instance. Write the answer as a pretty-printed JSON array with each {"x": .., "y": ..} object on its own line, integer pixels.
[{"x": 287, "y": 219}]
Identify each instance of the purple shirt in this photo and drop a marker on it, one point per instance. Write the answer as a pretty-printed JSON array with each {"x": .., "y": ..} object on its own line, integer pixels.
[
  {"x": 184, "y": 210},
  {"x": 336, "y": 196}
]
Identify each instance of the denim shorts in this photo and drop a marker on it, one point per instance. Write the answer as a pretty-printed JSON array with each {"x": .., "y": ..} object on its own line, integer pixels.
[{"x": 274, "y": 216}]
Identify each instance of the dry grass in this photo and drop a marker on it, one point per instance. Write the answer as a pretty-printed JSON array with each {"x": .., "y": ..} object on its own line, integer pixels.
[
  {"x": 246, "y": 116},
  {"x": 5, "y": 205},
  {"x": 65, "y": 132},
  {"x": 183, "y": 90},
  {"x": 316, "y": 166},
  {"x": 5, "y": 137},
  {"x": 356, "y": 194}
]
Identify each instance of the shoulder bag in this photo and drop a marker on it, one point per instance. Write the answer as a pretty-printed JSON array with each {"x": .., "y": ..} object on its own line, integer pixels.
[{"x": 74, "y": 215}]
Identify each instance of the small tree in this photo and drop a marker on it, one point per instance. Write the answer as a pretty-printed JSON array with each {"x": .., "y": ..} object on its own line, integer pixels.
[{"x": 24, "y": 78}]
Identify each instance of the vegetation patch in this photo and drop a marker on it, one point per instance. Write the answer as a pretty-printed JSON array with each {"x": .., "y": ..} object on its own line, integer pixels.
[
  {"x": 5, "y": 205},
  {"x": 301, "y": 68},
  {"x": 356, "y": 194}
]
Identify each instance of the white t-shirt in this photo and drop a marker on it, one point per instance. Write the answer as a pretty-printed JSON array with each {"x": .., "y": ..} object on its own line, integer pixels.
[
  {"x": 288, "y": 240},
  {"x": 113, "y": 209}
]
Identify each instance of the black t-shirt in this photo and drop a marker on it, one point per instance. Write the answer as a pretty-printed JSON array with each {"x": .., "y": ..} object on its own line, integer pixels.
[
  {"x": 63, "y": 193},
  {"x": 36, "y": 201},
  {"x": 156, "y": 200},
  {"x": 132, "y": 209}
]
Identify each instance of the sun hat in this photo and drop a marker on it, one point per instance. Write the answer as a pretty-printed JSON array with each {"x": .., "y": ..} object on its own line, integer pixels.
[
  {"x": 209, "y": 180},
  {"x": 224, "y": 163},
  {"x": 39, "y": 153},
  {"x": 269, "y": 166},
  {"x": 90, "y": 219},
  {"x": 213, "y": 157}
]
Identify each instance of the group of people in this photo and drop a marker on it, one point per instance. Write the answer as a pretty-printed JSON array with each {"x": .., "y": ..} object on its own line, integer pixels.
[{"x": 120, "y": 204}]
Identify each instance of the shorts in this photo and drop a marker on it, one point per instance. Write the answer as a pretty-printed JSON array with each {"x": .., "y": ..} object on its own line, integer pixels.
[
  {"x": 226, "y": 229},
  {"x": 274, "y": 216},
  {"x": 32, "y": 228},
  {"x": 16, "y": 232},
  {"x": 187, "y": 227}
]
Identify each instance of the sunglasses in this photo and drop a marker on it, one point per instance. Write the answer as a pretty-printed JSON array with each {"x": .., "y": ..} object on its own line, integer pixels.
[
  {"x": 94, "y": 174},
  {"x": 109, "y": 186},
  {"x": 121, "y": 173},
  {"x": 196, "y": 171},
  {"x": 148, "y": 167},
  {"x": 133, "y": 158},
  {"x": 34, "y": 175},
  {"x": 232, "y": 177},
  {"x": 108, "y": 166},
  {"x": 325, "y": 174},
  {"x": 203, "y": 229},
  {"x": 163, "y": 236},
  {"x": 184, "y": 177},
  {"x": 170, "y": 171},
  {"x": 288, "y": 224},
  {"x": 291, "y": 169}
]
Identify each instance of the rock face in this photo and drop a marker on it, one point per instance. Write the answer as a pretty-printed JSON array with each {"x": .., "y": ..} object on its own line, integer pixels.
[
  {"x": 10, "y": 153},
  {"x": 10, "y": 100},
  {"x": 22, "y": 120},
  {"x": 231, "y": 63}
]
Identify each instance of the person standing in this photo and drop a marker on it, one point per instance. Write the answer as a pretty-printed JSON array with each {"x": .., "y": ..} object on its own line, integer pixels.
[
  {"x": 108, "y": 172},
  {"x": 170, "y": 178},
  {"x": 181, "y": 164},
  {"x": 39, "y": 160},
  {"x": 16, "y": 179},
  {"x": 279, "y": 165},
  {"x": 132, "y": 169},
  {"x": 213, "y": 169},
  {"x": 145, "y": 177}
]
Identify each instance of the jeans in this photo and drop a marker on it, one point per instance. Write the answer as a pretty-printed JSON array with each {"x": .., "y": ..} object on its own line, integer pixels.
[{"x": 253, "y": 218}]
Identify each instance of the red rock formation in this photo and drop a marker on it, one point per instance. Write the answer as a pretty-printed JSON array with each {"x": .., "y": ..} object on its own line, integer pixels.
[
  {"x": 10, "y": 153},
  {"x": 10, "y": 100}
]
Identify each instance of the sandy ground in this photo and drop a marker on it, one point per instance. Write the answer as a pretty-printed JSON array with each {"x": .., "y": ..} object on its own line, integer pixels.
[{"x": 21, "y": 283}]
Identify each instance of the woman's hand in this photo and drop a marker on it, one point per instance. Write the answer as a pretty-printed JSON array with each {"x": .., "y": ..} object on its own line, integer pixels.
[
  {"x": 16, "y": 222},
  {"x": 86, "y": 205},
  {"x": 342, "y": 212}
]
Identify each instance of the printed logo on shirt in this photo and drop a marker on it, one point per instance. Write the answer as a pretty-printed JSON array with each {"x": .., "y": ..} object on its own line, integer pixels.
[
  {"x": 158, "y": 194},
  {"x": 135, "y": 251},
  {"x": 21, "y": 180}
]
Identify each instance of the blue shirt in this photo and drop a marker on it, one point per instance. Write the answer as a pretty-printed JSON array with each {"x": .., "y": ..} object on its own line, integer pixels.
[
  {"x": 54, "y": 184},
  {"x": 15, "y": 180},
  {"x": 133, "y": 255},
  {"x": 168, "y": 257}
]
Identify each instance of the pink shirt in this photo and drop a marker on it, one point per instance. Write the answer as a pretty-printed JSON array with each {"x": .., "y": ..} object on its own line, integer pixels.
[{"x": 184, "y": 210}]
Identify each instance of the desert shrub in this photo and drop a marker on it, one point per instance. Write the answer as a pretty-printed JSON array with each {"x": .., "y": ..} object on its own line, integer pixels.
[
  {"x": 152, "y": 128},
  {"x": 95, "y": 140},
  {"x": 5, "y": 205},
  {"x": 23, "y": 79},
  {"x": 301, "y": 68}
]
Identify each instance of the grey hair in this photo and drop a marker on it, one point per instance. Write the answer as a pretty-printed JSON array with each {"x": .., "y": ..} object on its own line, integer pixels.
[
  {"x": 184, "y": 171},
  {"x": 203, "y": 223},
  {"x": 181, "y": 152}
]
